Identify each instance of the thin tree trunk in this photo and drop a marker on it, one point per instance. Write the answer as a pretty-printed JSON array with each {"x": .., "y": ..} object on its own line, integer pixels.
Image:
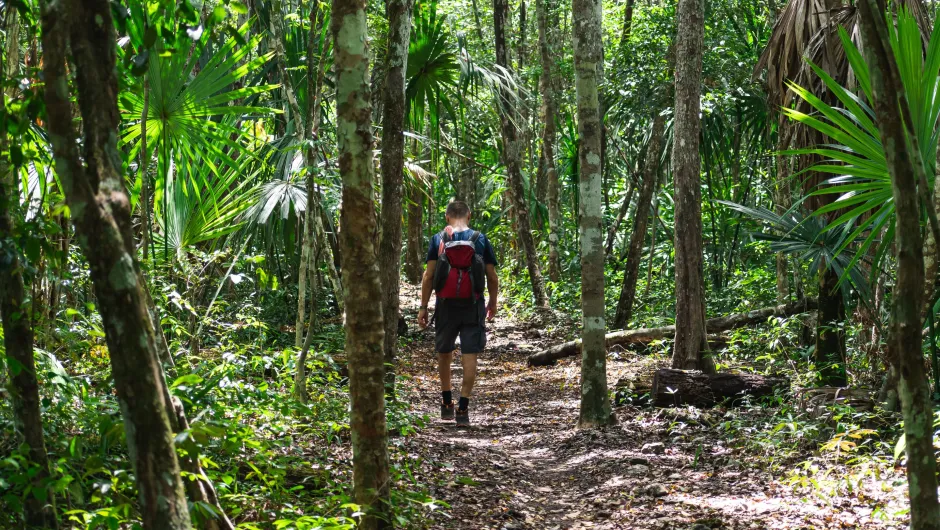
[
  {"x": 549, "y": 131},
  {"x": 782, "y": 203},
  {"x": 17, "y": 333},
  {"x": 414, "y": 248},
  {"x": 931, "y": 260},
  {"x": 641, "y": 217},
  {"x": 511, "y": 158},
  {"x": 300, "y": 133},
  {"x": 315, "y": 63},
  {"x": 476, "y": 18},
  {"x": 101, "y": 214},
  {"x": 686, "y": 164},
  {"x": 627, "y": 22},
  {"x": 365, "y": 333},
  {"x": 621, "y": 215},
  {"x": 903, "y": 155},
  {"x": 144, "y": 176},
  {"x": 393, "y": 167},
  {"x": 300, "y": 375},
  {"x": 649, "y": 267},
  {"x": 588, "y": 53},
  {"x": 830, "y": 336}
]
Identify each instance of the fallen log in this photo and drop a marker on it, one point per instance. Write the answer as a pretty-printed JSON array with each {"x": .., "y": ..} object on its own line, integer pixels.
[
  {"x": 645, "y": 335},
  {"x": 673, "y": 388}
]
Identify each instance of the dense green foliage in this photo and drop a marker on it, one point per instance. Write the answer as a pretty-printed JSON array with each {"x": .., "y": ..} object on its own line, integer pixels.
[{"x": 217, "y": 183}]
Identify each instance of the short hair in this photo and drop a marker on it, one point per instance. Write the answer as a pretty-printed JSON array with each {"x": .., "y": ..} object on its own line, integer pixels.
[{"x": 457, "y": 210}]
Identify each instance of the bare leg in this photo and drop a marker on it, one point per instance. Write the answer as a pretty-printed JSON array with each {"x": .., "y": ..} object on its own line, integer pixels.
[
  {"x": 469, "y": 361},
  {"x": 444, "y": 361}
]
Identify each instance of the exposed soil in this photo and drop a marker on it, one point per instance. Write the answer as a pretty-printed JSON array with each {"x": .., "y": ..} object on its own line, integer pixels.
[{"x": 523, "y": 464}]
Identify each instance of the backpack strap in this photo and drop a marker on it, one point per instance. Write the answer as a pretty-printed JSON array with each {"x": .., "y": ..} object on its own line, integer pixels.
[{"x": 475, "y": 237}]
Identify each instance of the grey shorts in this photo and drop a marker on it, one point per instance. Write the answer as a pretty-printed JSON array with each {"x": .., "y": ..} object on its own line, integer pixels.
[{"x": 459, "y": 318}]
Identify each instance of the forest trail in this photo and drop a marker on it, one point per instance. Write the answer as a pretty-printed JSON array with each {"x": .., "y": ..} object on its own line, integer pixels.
[{"x": 525, "y": 465}]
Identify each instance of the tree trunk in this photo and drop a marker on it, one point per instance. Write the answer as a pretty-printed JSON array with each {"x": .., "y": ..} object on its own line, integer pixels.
[
  {"x": 931, "y": 260},
  {"x": 691, "y": 349},
  {"x": 643, "y": 335},
  {"x": 615, "y": 227},
  {"x": 902, "y": 155},
  {"x": 512, "y": 159},
  {"x": 588, "y": 52},
  {"x": 414, "y": 250},
  {"x": 17, "y": 333},
  {"x": 549, "y": 131},
  {"x": 144, "y": 174},
  {"x": 830, "y": 336},
  {"x": 782, "y": 203},
  {"x": 627, "y": 22},
  {"x": 365, "y": 333},
  {"x": 676, "y": 388},
  {"x": 303, "y": 124},
  {"x": 641, "y": 217},
  {"x": 101, "y": 214},
  {"x": 393, "y": 167}
]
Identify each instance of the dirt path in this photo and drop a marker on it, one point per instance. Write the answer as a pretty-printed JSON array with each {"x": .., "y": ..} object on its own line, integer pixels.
[{"x": 524, "y": 465}]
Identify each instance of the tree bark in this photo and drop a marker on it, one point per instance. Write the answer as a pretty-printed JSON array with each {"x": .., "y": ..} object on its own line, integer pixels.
[
  {"x": 627, "y": 22},
  {"x": 615, "y": 227},
  {"x": 101, "y": 214},
  {"x": 782, "y": 203},
  {"x": 512, "y": 159},
  {"x": 365, "y": 332},
  {"x": 549, "y": 131},
  {"x": 641, "y": 217},
  {"x": 676, "y": 388},
  {"x": 902, "y": 154},
  {"x": 634, "y": 336},
  {"x": 414, "y": 250},
  {"x": 691, "y": 348},
  {"x": 393, "y": 167},
  {"x": 17, "y": 332},
  {"x": 588, "y": 53},
  {"x": 144, "y": 174},
  {"x": 829, "y": 354}
]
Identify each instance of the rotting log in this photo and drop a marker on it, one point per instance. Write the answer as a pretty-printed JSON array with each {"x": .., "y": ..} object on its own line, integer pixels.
[
  {"x": 673, "y": 388},
  {"x": 646, "y": 335}
]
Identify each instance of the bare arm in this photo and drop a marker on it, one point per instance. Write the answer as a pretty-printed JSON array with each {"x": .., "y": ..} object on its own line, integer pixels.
[
  {"x": 426, "y": 283},
  {"x": 492, "y": 285},
  {"x": 426, "y": 289}
]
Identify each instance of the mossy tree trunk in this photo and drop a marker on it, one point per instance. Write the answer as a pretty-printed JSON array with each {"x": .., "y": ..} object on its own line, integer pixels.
[
  {"x": 365, "y": 330},
  {"x": 511, "y": 154},
  {"x": 15, "y": 314},
  {"x": 549, "y": 131},
  {"x": 902, "y": 155},
  {"x": 641, "y": 217},
  {"x": 588, "y": 53},
  {"x": 686, "y": 163},
  {"x": 399, "y": 14},
  {"x": 94, "y": 190}
]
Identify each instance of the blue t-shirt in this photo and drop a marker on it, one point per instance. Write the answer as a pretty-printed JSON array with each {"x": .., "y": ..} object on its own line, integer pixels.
[{"x": 483, "y": 246}]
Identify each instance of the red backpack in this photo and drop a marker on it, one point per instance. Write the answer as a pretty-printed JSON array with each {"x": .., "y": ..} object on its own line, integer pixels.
[{"x": 459, "y": 271}]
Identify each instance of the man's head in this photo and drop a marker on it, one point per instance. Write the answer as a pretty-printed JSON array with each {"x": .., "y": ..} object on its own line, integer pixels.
[{"x": 457, "y": 211}]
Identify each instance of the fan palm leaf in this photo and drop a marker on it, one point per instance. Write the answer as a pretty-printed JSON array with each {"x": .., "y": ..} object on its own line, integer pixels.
[{"x": 861, "y": 184}]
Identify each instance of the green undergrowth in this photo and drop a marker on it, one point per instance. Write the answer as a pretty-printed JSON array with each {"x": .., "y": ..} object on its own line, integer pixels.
[{"x": 276, "y": 463}]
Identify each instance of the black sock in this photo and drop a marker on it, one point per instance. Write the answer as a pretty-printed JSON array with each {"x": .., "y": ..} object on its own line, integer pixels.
[
  {"x": 448, "y": 397},
  {"x": 464, "y": 403}
]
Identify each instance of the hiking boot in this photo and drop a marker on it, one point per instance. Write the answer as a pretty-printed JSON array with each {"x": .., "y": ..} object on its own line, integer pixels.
[
  {"x": 463, "y": 417},
  {"x": 447, "y": 411}
]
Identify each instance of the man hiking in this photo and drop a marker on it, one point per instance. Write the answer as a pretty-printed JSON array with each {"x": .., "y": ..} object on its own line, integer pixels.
[{"x": 460, "y": 262}]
